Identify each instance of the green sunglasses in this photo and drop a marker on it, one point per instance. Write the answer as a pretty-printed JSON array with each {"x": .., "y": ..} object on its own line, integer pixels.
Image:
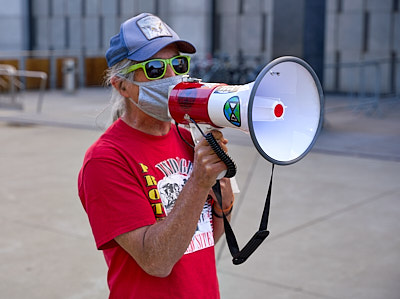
[{"x": 156, "y": 68}]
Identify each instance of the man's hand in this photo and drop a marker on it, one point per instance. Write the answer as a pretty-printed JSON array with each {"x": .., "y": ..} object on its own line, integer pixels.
[{"x": 207, "y": 165}]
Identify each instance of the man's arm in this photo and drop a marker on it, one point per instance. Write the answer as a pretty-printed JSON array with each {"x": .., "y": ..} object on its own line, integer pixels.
[{"x": 156, "y": 248}]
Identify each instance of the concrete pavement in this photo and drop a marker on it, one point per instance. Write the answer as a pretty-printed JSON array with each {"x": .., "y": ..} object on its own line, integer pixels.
[{"x": 334, "y": 218}]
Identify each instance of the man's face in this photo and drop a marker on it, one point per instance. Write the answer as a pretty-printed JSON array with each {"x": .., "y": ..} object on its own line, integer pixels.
[{"x": 167, "y": 52}]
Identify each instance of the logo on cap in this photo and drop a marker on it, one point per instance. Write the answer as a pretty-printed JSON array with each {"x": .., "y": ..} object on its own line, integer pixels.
[{"x": 153, "y": 27}]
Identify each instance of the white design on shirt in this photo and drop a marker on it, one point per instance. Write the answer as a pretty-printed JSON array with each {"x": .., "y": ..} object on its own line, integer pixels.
[{"x": 169, "y": 188}]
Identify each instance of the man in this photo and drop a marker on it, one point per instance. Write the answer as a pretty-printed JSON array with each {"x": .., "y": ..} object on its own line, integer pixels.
[{"x": 146, "y": 192}]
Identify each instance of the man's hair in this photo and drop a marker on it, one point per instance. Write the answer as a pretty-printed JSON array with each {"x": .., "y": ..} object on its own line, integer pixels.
[{"x": 117, "y": 101}]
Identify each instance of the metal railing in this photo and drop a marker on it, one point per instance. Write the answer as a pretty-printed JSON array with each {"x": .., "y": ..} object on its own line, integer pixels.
[
  {"x": 13, "y": 83},
  {"x": 53, "y": 56}
]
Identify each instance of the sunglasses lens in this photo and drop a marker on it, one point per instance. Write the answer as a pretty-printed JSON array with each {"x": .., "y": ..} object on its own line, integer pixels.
[
  {"x": 155, "y": 69},
  {"x": 180, "y": 64}
]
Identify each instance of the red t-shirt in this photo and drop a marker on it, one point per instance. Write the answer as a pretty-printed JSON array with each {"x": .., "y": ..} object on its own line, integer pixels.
[{"x": 128, "y": 180}]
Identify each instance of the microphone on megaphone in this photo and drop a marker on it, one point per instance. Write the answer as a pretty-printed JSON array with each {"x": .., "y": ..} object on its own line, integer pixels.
[{"x": 282, "y": 110}]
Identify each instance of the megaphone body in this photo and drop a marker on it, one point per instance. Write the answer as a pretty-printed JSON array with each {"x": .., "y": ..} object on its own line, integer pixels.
[
  {"x": 204, "y": 102},
  {"x": 282, "y": 109}
]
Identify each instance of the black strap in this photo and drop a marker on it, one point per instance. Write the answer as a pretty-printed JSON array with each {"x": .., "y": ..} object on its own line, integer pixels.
[{"x": 240, "y": 256}]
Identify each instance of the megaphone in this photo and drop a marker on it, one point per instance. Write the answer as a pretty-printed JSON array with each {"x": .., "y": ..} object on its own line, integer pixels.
[{"x": 282, "y": 109}]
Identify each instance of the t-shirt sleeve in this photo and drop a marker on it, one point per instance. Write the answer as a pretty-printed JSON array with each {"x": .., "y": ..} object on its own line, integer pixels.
[{"x": 114, "y": 200}]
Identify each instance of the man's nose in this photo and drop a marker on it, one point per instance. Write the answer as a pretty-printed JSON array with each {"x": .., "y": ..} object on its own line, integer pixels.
[{"x": 169, "y": 72}]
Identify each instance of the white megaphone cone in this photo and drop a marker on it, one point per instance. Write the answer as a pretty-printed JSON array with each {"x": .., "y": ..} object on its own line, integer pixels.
[{"x": 282, "y": 109}]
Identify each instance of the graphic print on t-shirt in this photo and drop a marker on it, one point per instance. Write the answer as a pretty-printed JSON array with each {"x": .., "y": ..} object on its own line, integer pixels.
[
  {"x": 176, "y": 173},
  {"x": 203, "y": 237},
  {"x": 169, "y": 189}
]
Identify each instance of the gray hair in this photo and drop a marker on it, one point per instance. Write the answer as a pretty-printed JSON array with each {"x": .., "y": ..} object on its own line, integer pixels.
[{"x": 117, "y": 101}]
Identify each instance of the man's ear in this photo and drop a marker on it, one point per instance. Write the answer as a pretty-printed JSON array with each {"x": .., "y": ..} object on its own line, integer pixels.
[{"x": 119, "y": 84}]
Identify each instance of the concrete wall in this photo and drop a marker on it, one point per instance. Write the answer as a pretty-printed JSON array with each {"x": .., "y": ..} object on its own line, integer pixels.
[
  {"x": 89, "y": 24},
  {"x": 361, "y": 30},
  {"x": 12, "y": 25},
  {"x": 246, "y": 27},
  {"x": 298, "y": 30},
  {"x": 191, "y": 20}
]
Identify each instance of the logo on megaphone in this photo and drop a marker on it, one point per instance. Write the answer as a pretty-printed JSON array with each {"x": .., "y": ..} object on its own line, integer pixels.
[{"x": 282, "y": 109}]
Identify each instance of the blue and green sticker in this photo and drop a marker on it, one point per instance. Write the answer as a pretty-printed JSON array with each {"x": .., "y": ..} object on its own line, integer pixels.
[{"x": 232, "y": 111}]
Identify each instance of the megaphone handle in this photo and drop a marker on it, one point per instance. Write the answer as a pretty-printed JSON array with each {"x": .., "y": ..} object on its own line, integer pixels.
[
  {"x": 230, "y": 164},
  {"x": 240, "y": 256}
]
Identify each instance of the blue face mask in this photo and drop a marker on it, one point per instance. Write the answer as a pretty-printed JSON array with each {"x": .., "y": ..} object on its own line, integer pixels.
[{"x": 153, "y": 96}]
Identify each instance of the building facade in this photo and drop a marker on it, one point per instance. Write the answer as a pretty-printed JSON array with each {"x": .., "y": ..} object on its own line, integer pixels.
[
  {"x": 360, "y": 38},
  {"x": 362, "y": 45}
]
